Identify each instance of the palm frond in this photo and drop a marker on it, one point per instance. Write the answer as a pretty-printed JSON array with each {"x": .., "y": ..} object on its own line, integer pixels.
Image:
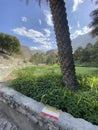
[
  {"x": 96, "y": 1},
  {"x": 39, "y": 2},
  {"x": 94, "y": 23},
  {"x": 94, "y": 32},
  {"x": 94, "y": 13},
  {"x": 27, "y": 1}
]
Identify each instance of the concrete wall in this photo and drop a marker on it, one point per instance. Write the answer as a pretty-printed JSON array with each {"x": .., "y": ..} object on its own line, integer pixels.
[{"x": 29, "y": 114}]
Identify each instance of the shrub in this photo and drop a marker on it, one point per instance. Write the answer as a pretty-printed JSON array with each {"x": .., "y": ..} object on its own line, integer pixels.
[
  {"x": 9, "y": 44},
  {"x": 50, "y": 89}
]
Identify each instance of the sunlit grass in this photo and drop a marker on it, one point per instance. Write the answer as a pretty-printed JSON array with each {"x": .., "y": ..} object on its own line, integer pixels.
[
  {"x": 87, "y": 70},
  {"x": 41, "y": 70}
]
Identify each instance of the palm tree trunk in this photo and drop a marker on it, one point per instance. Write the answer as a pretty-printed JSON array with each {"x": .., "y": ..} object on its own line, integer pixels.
[{"x": 64, "y": 43}]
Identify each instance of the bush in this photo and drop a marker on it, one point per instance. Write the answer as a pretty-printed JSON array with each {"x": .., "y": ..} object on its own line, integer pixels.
[
  {"x": 9, "y": 44},
  {"x": 50, "y": 89}
]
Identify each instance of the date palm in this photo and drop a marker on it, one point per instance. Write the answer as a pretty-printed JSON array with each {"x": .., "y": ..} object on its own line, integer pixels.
[
  {"x": 61, "y": 29},
  {"x": 94, "y": 23}
]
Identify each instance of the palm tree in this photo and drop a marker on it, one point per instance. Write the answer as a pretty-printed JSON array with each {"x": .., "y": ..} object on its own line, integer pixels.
[
  {"x": 96, "y": 1},
  {"x": 94, "y": 23},
  {"x": 61, "y": 29}
]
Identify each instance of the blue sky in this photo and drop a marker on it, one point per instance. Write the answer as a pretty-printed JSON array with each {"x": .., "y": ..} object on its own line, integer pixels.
[{"x": 33, "y": 25}]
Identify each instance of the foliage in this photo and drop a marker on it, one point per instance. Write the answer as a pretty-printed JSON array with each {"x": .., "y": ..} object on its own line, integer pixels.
[
  {"x": 37, "y": 58},
  {"x": 88, "y": 55},
  {"x": 94, "y": 22},
  {"x": 52, "y": 58},
  {"x": 9, "y": 44},
  {"x": 44, "y": 58},
  {"x": 45, "y": 85}
]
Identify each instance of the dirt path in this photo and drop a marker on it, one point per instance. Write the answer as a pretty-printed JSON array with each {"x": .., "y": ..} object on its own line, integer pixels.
[{"x": 5, "y": 71}]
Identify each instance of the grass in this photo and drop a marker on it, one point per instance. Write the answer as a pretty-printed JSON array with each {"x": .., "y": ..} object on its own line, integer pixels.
[
  {"x": 87, "y": 70},
  {"x": 41, "y": 70},
  {"x": 45, "y": 84}
]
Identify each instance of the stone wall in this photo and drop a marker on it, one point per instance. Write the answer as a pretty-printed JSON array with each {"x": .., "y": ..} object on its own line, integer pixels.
[{"x": 29, "y": 114}]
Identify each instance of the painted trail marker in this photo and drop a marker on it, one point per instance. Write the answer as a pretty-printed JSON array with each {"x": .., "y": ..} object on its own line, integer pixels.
[{"x": 50, "y": 113}]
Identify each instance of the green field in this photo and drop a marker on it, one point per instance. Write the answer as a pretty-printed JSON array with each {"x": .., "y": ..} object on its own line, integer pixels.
[
  {"x": 45, "y": 84},
  {"x": 87, "y": 70},
  {"x": 40, "y": 70}
]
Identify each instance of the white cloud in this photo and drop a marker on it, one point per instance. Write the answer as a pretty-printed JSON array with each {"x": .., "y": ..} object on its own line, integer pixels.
[
  {"x": 48, "y": 17},
  {"x": 36, "y": 36},
  {"x": 41, "y": 47},
  {"x": 46, "y": 47},
  {"x": 47, "y": 31},
  {"x": 83, "y": 31},
  {"x": 34, "y": 48},
  {"x": 70, "y": 27},
  {"x": 78, "y": 24},
  {"x": 40, "y": 22},
  {"x": 76, "y": 4},
  {"x": 24, "y": 19}
]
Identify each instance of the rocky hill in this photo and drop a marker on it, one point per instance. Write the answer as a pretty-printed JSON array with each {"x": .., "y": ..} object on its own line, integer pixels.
[{"x": 26, "y": 53}]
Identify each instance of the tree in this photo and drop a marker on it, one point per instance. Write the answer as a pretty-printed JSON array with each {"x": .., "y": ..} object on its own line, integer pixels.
[
  {"x": 95, "y": 53},
  {"x": 61, "y": 29},
  {"x": 78, "y": 54},
  {"x": 87, "y": 56},
  {"x": 96, "y": 1},
  {"x": 9, "y": 44},
  {"x": 94, "y": 23},
  {"x": 38, "y": 58},
  {"x": 2, "y": 43},
  {"x": 52, "y": 57}
]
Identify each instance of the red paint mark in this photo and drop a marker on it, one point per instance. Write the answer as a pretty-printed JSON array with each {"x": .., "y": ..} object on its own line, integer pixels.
[{"x": 50, "y": 116}]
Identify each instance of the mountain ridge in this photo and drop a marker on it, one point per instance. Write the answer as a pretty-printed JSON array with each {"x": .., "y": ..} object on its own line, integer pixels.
[{"x": 83, "y": 40}]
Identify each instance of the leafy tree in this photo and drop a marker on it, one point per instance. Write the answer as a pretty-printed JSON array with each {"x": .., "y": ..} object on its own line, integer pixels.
[
  {"x": 2, "y": 43},
  {"x": 61, "y": 29},
  {"x": 14, "y": 47},
  {"x": 95, "y": 53},
  {"x": 9, "y": 44},
  {"x": 52, "y": 58},
  {"x": 45, "y": 58},
  {"x": 78, "y": 54},
  {"x": 87, "y": 55},
  {"x": 38, "y": 58}
]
